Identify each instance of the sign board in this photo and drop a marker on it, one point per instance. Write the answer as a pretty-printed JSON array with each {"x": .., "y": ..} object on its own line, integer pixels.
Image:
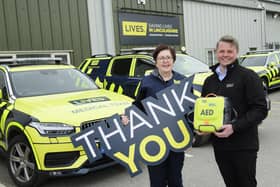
[{"x": 141, "y": 29}]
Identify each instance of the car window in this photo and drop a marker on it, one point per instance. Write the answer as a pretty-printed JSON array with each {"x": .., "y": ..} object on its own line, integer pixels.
[
  {"x": 188, "y": 65},
  {"x": 272, "y": 58},
  {"x": 49, "y": 81},
  {"x": 142, "y": 65},
  {"x": 121, "y": 67},
  {"x": 253, "y": 60},
  {"x": 2, "y": 80},
  {"x": 278, "y": 55}
]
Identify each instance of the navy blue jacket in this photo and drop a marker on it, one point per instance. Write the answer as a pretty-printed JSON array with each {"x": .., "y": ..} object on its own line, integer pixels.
[{"x": 152, "y": 84}]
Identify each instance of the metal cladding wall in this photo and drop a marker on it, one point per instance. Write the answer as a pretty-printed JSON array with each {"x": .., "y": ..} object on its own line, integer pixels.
[
  {"x": 151, "y": 7},
  {"x": 273, "y": 30},
  {"x": 45, "y": 25},
  {"x": 101, "y": 26},
  {"x": 206, "y": 22}
]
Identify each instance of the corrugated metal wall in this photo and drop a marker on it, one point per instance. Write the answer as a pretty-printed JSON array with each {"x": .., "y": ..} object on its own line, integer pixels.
[
  {"x": 45, "y": 25},
  {"x": 205, "y": 23},
  {"x": 273, "y": 28},
  {"x": 101, "y": 26},
  {"x": 152, "y": 7}
]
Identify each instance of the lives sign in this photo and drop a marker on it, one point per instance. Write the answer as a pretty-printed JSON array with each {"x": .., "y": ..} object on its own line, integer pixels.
[
  {"x": 141, "y": 29},
  {"x": 150, "y": 136}
]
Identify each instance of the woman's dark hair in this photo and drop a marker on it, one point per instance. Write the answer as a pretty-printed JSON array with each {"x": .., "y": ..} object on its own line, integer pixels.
[{"x": 162, "y": 47}]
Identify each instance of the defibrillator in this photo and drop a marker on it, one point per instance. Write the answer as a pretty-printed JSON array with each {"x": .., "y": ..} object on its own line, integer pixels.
[{"x": 210, "y": 113}]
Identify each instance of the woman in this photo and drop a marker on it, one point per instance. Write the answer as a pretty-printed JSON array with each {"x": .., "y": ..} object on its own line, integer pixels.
[{"x": 169, "y": 171}]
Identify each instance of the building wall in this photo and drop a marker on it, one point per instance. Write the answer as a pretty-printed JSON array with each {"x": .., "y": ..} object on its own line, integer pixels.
[
  {"x": 102, "y": 34},
  {"x": 205, "y": 23},
  {"x": 45, "y": 25},
  {"x": 273, "y": 30}
]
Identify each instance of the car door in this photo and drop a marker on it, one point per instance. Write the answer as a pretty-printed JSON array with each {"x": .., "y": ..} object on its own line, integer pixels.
[
  {"x": 140, "y": 66},
  {"x": 273, "y": 66},
  {"x": 117, "y": 74},
  {"x": 125, "y": 72},
  {"x": 3, "y": 100}
]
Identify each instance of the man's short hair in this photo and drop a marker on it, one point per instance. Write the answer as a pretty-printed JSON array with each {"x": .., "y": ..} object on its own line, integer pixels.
[{"x": 228, "y": 39}]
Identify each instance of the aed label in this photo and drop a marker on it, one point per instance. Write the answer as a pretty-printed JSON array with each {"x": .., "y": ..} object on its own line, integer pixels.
[{"x": 207, "y": 112}]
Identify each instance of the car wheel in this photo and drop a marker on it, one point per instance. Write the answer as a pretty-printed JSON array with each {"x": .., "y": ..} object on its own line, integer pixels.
[
  {"x": 200, "y": 140},
  {"x": 265, "y": 85},
  {"x": 21, "y": 163}
]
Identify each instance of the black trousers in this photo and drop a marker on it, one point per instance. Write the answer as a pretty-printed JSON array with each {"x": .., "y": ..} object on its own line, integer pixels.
[
  {"x": 238, "y": 168},
  {"x": 168, "y": 173}
]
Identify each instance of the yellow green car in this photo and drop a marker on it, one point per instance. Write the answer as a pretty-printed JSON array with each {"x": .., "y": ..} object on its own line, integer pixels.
[
  {"x": 42, "y": 103},
  {"x": 266, "y": 64},
  {"x": 122, "y": 73}
]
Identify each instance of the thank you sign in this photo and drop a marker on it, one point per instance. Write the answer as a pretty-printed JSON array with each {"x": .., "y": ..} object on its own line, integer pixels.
[{"x": 149, "y": 136}]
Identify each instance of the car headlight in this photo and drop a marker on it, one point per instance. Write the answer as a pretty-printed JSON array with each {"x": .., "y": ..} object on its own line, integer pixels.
[{"x": 53, "y": 129}]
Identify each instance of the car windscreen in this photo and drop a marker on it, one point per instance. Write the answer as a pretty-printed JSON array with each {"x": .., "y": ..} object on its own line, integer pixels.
[
  {"x": 49, "y": 81},
  {"x": 253, "y": 61},
  {"x": 188, "y": 65}
]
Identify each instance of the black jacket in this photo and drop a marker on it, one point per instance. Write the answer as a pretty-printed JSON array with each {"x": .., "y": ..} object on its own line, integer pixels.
[{"x": 245, "y": 90}]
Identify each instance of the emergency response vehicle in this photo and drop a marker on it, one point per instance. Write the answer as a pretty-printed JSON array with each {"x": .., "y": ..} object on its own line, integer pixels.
[
  {"x": 266, "y": 64},
  {"x": 43, "y": 101},
  {"x": 122, "y": 73}
]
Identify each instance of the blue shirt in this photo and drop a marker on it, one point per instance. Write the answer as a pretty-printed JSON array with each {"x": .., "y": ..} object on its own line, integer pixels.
[{"x": 221, "y": 75}]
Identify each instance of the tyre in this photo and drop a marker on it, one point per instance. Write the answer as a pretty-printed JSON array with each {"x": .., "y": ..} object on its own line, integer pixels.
[
  {"x": 265, "y": 85},
  {"x": 200, "y": 140},
  {"x": 21, "y": 163}
]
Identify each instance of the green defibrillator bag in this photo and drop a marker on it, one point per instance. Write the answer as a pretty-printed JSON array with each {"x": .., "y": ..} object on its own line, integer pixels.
[{"x": 210, "y": 113}]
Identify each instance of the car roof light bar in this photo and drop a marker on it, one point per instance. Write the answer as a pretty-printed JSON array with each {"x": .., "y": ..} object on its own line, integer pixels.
[
  {"x": 32, "y": 61},
  {"x": 260, "y": 51}
]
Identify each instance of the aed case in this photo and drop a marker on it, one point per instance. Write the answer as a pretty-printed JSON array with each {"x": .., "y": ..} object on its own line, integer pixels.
[{"x": 210, "y": 113}]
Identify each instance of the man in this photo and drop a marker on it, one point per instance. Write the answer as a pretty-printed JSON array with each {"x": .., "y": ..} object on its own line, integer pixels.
[{"x": 236, "y": 145}]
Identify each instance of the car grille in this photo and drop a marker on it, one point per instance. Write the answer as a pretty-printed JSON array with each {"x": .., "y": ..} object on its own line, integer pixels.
[
  {"x": 105, "y": 160},
  {"x": 89, "y": 124},
  {"x": 61, "y": 159}
]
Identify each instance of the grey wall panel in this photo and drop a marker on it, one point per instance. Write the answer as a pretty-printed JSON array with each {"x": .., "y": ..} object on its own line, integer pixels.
[
  {"x": 205, "y": 23},
  {"x": 100, "y": 16},
  {"x": 84, "y": 26},
  {"x": 272, "y": 28},
  {"x": 75, "y": 27},
  {"x": 271, "y": 5},
  {"x": 45, "y": 25}
]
